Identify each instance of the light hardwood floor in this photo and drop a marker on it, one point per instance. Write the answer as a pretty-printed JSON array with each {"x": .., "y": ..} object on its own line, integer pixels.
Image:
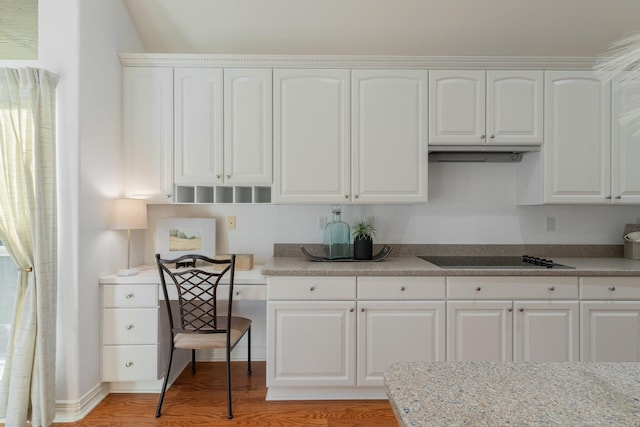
[{"x": 200, "y": 400}]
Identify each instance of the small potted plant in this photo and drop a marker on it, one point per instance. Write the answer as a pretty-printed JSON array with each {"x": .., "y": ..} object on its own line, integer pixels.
[{"x": 362, "y": 234}]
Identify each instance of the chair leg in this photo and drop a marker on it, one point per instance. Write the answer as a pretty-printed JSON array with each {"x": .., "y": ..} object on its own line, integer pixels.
[
  {"x": 229, "y": 412},
  {"x": 164, "y": 384},
  {"x": 193, "y": 361},
  {"x": 249, "y": 351}
]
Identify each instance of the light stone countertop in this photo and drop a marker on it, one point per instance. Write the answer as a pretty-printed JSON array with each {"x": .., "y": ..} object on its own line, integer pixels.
[
  {"x": 514, "y": 393},
  {"x": 414, "y": 266}
]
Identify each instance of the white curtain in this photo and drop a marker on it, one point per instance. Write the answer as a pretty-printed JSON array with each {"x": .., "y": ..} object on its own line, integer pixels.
[{"x": 28, "y": 230}]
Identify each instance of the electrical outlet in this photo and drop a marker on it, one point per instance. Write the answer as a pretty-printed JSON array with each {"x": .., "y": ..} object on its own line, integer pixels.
[
  {"x": 322, "y": 222},
  {"x": 231, "y": 223},
  {"x": 551, "y": 223}
]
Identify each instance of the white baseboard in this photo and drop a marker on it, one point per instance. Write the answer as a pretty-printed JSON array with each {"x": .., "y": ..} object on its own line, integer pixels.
[{"x": 74, "y": 410}]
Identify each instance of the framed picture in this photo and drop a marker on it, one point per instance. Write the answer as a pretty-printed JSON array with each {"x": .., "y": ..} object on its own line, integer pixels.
[{"x": 184, "y": 236}]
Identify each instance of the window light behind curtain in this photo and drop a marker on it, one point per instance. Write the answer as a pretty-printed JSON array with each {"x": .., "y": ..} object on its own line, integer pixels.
[{"x": 28, "y": 231}]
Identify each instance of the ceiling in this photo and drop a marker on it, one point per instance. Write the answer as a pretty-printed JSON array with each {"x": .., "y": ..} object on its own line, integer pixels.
[{"x": 543, "y": 28}]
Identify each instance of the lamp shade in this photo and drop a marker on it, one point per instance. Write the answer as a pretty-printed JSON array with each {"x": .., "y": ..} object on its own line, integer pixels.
[{"x": 129, "y": 214}]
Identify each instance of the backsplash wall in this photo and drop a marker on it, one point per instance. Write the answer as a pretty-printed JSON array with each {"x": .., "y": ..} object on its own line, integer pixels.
[{"x": 472, "y": 203}]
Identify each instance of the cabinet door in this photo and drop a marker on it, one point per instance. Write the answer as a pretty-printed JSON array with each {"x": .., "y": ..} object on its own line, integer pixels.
[
  {"x": 311, "y": 136},
  {"x": 610, "y": 331},
  {"x": 390, "y": 332},
  {"x": 148, "y": 132},
  {"x": 198, "y": 126},
  {"x": 247, "y": 126},
  {"x": 625, "y": 145},
  {"x": 546, "y": 331},
  {"x": 577, "y": 138},
  {"x": 311, "y": 343},
  {"x": 388, "y": 144},
  {"x": 514, "y": 107},
  {"x": 479, "y": 331},
  {"x": 457, "y": 107}
]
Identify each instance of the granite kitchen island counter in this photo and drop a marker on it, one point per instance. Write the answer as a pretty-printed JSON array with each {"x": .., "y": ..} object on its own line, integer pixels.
[{"x": 515, "y": 394}]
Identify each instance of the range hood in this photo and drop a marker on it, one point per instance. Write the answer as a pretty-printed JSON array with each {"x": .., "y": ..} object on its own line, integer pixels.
[{"x": 479, "y": 153}]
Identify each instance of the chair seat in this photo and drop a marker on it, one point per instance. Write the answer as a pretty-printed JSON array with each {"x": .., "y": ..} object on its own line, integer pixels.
[{"x": 199, "y": 341}]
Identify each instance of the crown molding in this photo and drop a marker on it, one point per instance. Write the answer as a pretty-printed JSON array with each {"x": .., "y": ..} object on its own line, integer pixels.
[{"x": 355, "y": 61}]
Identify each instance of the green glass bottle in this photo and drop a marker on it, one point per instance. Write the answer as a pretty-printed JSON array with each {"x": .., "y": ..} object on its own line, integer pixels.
[{"x": 337, "y": 238}]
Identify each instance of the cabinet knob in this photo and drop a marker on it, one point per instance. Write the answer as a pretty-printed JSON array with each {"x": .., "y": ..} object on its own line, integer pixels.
[
  {"x": 478, "y": 289},
  {"x": 128, "y": 364},
  {"x": 129, "y": 327},
  {"x": 612, "y": 288},
  {"x": 218, "y": 176},
  {"x": 618, "y": 197},
  {"x": 346, "y": 196},
  {"x": 402, "y": 288},
  {"x": 237, "y": 293},
  {"x": 608, "y": 197},
  {"x": 355, "y": 197},
  {"x": 129, "y": 295},
  {"x": 552, "y": 288},
  {"x": 228, "y": 176},
  {"x": 483, "y": 136},
  {"x": 362, "y": 310},
  {"x": 521, "y": 309},
  {"x": 351, "y": 310},
  {"x": 509, "y": 309},
  {"x": 167, "y": 196},
  {"x": 312, "y": 288},
  {"x": 492, "y": 136}
]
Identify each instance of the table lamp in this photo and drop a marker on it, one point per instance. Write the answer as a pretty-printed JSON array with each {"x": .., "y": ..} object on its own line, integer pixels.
[{"x": 129, "y": 214}]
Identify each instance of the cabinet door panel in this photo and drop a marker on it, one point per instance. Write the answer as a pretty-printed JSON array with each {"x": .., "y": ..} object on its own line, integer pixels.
[
  {"x": 311, "y": 343},
  {"x": 198, "y": 125},
  {"x": 456, "y": 107},
  {"x": 625, "y": 145},
  {"x": 247, "y": 126},
  {"x": 514, "y": 107},
  {"x": 546, "y": 331},
  {"x": 610, "y": 331},
  {"x": 388, "y": 144},
  {"x": 148, "y": 132},
  {"x": 311, "y": 136},
  {"x": 479, "y": 331},
  {"x": 389, "y": 332},
  {"x": 577, "y": 138}
]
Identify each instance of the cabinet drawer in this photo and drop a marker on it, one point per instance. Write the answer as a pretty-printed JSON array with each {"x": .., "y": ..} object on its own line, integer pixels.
[
  {"x": 521, "y": 287},
  {"x": 610, "y": 288},
  {"x": 401, "y": 288},
  {"x": 312, "y": 288},
  {"x": 129, "y": 363},
  {"x": 129, "y": 295},
  {"x": 130, "y": 326}
]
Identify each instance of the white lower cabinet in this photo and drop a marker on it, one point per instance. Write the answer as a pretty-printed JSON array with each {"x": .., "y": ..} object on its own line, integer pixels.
[
  {"x": 320, "y": 348},
  {"x": 610, "y": 313},
  {"x": 489, "y": 323}
]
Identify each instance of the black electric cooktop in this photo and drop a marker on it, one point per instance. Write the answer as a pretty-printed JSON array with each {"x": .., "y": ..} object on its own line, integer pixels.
[{"x": 505, "y": 262}]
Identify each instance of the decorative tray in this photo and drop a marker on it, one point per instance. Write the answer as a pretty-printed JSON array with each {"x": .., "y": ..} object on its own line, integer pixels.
[{"x": 384, "y": 253}]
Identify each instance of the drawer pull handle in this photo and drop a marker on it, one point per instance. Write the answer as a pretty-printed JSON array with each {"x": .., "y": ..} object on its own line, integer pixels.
[
  {"x": 129, "y": 327},
  {"x": 552, "y": 288},
  {"x": 403, "y": 288},
  {"x": 312, "y": 288},
  {"x": 612, "y": 288},
  {"x": 478, "y": 289},
  {"x": 129, "y": 295},
  {"x": 128, "y": 364}
]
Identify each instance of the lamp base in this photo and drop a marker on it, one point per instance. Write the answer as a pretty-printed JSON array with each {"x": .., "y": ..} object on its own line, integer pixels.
[{"x": 127, "y": 272}]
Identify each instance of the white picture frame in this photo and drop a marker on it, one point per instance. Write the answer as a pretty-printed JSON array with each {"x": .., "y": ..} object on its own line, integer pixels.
[{"x": 176, "y": 237}]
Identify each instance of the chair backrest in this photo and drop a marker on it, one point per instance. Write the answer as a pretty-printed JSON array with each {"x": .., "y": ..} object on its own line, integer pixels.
[{"x": 197, "y": 288}]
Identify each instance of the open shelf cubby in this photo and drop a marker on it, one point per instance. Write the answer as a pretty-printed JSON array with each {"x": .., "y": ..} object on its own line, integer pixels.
[{"x": 222, "y": 194}]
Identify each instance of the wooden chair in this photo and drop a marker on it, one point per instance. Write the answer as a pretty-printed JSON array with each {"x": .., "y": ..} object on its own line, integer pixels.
[{"x": 198, "y": 325}]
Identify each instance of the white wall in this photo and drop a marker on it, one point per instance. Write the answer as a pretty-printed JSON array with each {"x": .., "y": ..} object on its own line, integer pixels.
[{"x": 468, "y": 203}]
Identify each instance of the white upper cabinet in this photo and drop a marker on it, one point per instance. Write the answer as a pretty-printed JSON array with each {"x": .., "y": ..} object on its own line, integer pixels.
[
  {"x": 574, "y": 166},
  {"x": 350, "y": 140},
  {"x": 388, "y": 138},
  {"x": 311, "y": 136},
  {"x": 471, "y": 107},
  {"x": 148, "y": 132},
  {"x": 625, "y": 146},
  {"x": 198, "y": 125},
  {"x": 247, "y": 126}
]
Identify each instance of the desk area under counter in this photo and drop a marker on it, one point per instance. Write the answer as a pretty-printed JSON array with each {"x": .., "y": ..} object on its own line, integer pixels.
[{"x": 135, "y": 333}]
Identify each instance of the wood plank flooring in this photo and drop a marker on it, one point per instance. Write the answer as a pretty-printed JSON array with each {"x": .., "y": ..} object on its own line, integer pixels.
[{"x": 200, "y": 400}]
